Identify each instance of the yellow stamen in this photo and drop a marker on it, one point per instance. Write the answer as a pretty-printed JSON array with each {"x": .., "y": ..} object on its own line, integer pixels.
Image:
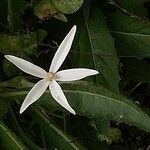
[{"x": 50, "y": 76}]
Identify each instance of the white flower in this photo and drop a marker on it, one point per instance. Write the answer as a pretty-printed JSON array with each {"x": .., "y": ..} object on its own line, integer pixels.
[{"x": 50, "y": 78}]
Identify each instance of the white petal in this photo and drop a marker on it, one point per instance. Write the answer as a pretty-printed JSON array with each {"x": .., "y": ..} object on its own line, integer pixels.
[
  {"x": 74, "y": 74},
  {"x": 59, "y": 96},
  {"x": 62, "y": 51},
  {"x": 34, "y": 94},
  {"x": 27, "y": 67}
]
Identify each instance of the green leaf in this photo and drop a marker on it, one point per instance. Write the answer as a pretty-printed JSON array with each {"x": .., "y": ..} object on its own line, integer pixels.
[
  {"x": 60, "y": 16},
  {"x": 16, "y": 44},
  {"x": 46, "y": 9},
  {"x": 132, "y": 35},
  {"x": 3, "y": 108},
  {"x": 9, "y": 139},
  {"x": 67, "y": 6},
  {"x": 10, "y": 69},
  {"x": 102, "y": 48},
  {"x": 131, "y": 7},
  {"x": 41, "y": 35},
  {"x": 16, "y": 82},
  {"x": 30, "y": 41},
  {"x": 84, "y": 50},
  {"x": 28, "y": 141},
  {"x": 94, "y": 102},
  {"x": 57, "y": 137},
  {"x": 105, "y": 132}
]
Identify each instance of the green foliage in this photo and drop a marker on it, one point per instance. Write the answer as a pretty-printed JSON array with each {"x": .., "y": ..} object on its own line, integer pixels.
[
  {"x": 3, "y": 108},
  {"x": 135, "y": 7},
  {"x": 20, "y": 45},
  {"x": 45, "y": 9},
  {"x": 10, "y": 141},
  {"x": 113, "y": 37},
  {"x": 130, "y": 31},
  {"x": 55, "y": 135},
  {"x": 56, "y": 8},
  {"x": 101, "y": 44},
  {"x": 17, "y": 44},
  {"x": 95, "y": 102},
  {"x": 131, "y": 35},
  {"x": 67, "y": 6},
  {"x": 112, "y": 134}
]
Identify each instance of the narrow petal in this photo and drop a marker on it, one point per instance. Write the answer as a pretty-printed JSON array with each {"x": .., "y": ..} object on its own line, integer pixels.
[
  {"x": 74, "y": 74},
  {"x": 34, "y": 94},
  {"x": 59, "y": 96},
  {"x": 62, "y": 51},
  {"x": 27, "y": 67}
]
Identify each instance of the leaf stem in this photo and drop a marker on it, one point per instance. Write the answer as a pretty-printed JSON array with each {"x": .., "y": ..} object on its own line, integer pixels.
[{"x": 10, "y": 15}]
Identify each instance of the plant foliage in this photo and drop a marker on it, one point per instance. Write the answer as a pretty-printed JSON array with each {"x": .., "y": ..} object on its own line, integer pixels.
[{"x": 113, "y": 37}]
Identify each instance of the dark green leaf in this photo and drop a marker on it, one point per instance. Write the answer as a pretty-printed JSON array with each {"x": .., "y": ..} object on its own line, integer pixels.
[
  {"x": 9, "y": 139},
  {"x": 57, "y": 137},
  {"x": 95, "y": 102},
  {"x": 132, "y": 35},
  {"x": 102, "y": 48}
]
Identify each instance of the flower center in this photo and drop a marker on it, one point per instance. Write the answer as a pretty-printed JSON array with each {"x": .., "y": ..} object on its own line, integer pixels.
[{"x": 50, "y": 76}]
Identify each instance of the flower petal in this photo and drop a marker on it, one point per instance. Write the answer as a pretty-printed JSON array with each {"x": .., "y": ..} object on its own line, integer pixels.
[
  {"x": 34, "y": 94},
  {"x": 62, "y": 51},
  {"x": 59, "y": 96},
  {"x": 27, "y": 67},
  {"x": 74, "y": 74}
]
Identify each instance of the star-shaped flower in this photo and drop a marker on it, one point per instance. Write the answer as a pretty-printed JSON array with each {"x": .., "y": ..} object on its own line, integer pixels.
[{"x": 51, "y": 77}]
